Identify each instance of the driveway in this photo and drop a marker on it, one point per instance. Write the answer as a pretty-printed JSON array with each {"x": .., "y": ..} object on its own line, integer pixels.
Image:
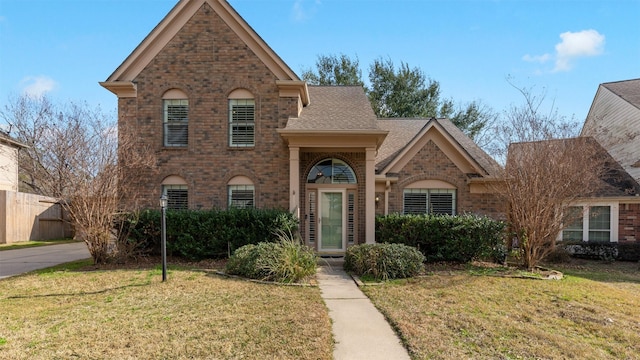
[{"x": 18, "y": 261}]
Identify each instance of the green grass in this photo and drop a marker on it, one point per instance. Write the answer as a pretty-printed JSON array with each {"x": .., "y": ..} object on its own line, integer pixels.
[
  {"x": 69, "y": 312},
  {"x": 593, "y": 313},
  {"x": 28, "y": 244}
]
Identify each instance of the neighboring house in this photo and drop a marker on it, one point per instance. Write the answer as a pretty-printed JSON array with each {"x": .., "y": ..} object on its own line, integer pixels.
[
  {"x": 614, "y": 120},
  {"x": 233, "y": 126},
  {"x": 606, "y": 209},
  {"x": 9, "y": 162},
  {"x": 24, "y": 216}
]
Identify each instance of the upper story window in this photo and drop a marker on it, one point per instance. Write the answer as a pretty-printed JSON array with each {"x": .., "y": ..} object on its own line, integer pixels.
[
  {"x": 242, "y": 122},
  {"x": 430, "y": 197},
  {"x": 331, "y": 171},
  {"x": 175, "y": 118},
  {"x": 176, "y": 190}
]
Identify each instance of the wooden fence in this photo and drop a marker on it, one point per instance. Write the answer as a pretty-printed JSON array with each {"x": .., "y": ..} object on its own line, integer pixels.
[{"x": 25, "y": 217}]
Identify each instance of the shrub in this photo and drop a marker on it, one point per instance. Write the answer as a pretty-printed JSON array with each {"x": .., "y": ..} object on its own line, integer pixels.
[
  {"x": 459, "y": 238},
  {"x": 384, "y": 261},
  {"x": 283, "y": 261},
  {"x": 199, "y": 234}
]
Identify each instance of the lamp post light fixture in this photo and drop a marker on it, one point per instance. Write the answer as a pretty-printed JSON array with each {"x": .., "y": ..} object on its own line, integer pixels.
[{"x": 163, "y": 205}]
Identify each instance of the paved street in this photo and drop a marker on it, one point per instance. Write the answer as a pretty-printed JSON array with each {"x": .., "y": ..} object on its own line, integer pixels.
[{"x": 14, "y": 262}]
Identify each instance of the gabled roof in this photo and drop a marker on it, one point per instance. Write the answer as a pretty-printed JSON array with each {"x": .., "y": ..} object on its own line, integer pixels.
[
  {"x": 405, "y": 135},
  {"x": 629, "y": 90},
  {"x": 120, "y": 82}
]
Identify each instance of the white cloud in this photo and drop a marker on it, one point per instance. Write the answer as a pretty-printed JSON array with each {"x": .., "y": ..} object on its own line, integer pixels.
[
  {"x": 302, "y": 12},
  {"x": 36, "y": 86},
  {"x": 574, "y": 45}
]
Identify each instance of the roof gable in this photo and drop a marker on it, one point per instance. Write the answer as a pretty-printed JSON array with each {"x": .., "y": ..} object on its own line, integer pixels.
[
  {"x": 120, "y": 81},
  {"x": 628, "y": 90},
  {"x": 407, "y": 136}
]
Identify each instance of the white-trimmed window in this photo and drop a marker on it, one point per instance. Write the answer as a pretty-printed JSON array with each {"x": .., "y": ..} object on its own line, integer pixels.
[
  {"x": 241, "y": 193},
  {"x": 176, "y": 190},
  {"x": 429, "y": 197},
  {"x": 175, "y": 118},
  {"x": 242, "y": 123},
  {"x": 594, "y": 223}
]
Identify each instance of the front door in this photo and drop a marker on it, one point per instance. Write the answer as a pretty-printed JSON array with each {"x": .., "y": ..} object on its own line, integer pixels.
[{"x": 332, "y": 229}]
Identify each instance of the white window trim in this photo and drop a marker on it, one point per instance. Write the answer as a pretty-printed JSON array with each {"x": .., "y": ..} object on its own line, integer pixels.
[
  {"x": 428, "y": 192},
  {"x": 614, "y": 217}
]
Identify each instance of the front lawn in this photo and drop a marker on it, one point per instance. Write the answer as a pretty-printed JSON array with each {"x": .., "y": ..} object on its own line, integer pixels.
[
  {"x": 67, "y": 313},
  {"x": 593, "y": 313}
]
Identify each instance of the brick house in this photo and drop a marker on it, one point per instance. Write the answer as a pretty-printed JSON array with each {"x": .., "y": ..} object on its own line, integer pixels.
[{"x": 233, "y": 125}]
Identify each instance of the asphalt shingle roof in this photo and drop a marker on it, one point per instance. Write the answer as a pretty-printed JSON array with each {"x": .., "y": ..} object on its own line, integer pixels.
[
  {"x": 335, "y": 108},
  {"x": 402, "y": 131},
  {"x": 614, "y": 182},
  {"x": 629, "y": 90}
]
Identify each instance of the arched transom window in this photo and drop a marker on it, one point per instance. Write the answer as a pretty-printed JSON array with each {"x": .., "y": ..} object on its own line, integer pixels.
[{"x": 331, "y": 171}]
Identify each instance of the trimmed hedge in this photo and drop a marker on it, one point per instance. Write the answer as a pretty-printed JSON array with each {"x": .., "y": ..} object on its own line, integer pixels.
[
  {"x": 460, "y": 238},
  {"x": 384, "y": 261},
  {"x": 201, "y": 234}
]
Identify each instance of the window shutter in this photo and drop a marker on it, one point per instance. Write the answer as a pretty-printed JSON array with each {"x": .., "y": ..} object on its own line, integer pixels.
[
  {"x": 242, "y": 122},
  {"x": 176, "y": 122},
  {"x": 351, "y": 217},
  {"x": 177, "y": 199},
  {"x": 441, "y": 204},
  {"x": 415, "y": 203},
  {"x": 312, "y": 217},
  {"x": 241, "y": 196}
]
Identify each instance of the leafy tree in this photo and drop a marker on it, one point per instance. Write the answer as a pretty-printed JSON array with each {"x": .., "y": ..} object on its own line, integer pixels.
[
  {"x": 475, "y": 119},
  {"x": 73, "y": 154},
  {"x": 335, "y": 70},
  {"x": 406, "y": 92},
  {"x": 403, "y": 92}
]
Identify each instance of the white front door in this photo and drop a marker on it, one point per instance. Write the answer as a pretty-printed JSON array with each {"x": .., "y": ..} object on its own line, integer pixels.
[{"x": 332, "y": 222}]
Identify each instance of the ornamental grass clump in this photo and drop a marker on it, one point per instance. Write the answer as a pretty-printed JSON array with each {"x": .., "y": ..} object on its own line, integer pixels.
[
  {"x": 285, "y": 260},
  {"x": 384, "y": 261}
]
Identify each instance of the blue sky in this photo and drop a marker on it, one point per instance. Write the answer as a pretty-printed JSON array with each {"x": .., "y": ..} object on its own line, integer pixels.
[{"x": 63, "y": 48}]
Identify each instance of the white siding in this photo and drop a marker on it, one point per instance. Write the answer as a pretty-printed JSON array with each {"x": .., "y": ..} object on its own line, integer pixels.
[
  {"x": 615, "y": 123},
  {"x": 8, "y": 167}
]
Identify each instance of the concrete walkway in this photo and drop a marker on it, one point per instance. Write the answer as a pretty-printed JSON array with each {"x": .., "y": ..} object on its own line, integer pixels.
[
  {"x": 18, "y": 261},
  {"x": 359, "y": 329}
]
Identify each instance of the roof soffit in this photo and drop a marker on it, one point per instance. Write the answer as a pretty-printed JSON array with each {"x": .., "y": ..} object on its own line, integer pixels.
[
  {"x": 432, "y": 131},
  {"x": 176, "y": 19},
  {"x": 334, "y": 139}
]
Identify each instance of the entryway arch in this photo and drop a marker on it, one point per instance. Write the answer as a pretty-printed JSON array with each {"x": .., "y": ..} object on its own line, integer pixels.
[{"x": 331, "y": 205}]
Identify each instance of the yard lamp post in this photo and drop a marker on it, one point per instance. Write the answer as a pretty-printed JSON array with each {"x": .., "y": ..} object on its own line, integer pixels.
[{"x": 163, "y": 205}]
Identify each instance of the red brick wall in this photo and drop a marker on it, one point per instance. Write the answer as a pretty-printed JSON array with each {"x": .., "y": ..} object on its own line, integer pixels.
[
  {"x": 207, "y": 61},
  {"x": 629, "y": 222},
  {"x": 430, "y": 163}
]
